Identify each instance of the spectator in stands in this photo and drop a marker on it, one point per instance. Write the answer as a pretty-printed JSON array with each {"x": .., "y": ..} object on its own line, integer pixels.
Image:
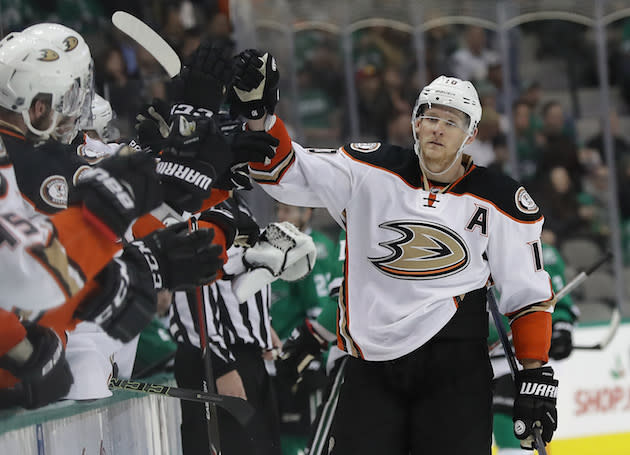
[
  {"x": 594, "y": 203},
  {"x": 441, "y": 42},
  {"x": 172, "y": 29},
  {"x": 557, "y": 198},
  {"x": 471, "y": 61},
  {"x": 218, "y": 24},
  {"x": 375, "y": 106},
  {"x": 192, "y": 40},
  {"x": 319, "y": 114},
  {"x": 119, "y": 87},
  {"x": 393, "y": 81},
  {"x": 559, "y": 148},
  {"x": 501, "y": 161},
  {"x": 527, "y": 149},
  {"x": 152, "y": 76},
  {"x": 481, "y": 149},
  {"x": 621, "y": 146},
  {"x": 399, "y": 131},
  {"x": 531, "y": 95}
]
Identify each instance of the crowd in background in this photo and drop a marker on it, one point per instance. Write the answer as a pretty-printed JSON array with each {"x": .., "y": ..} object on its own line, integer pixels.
[{"x": 566, "y": 172}]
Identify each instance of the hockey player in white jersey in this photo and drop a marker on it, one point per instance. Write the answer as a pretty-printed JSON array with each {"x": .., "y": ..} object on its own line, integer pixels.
[{"x": 426, "y": 231}]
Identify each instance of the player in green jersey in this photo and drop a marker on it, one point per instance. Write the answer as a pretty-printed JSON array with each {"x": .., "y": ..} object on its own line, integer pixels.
[{"x": 296, "y": 306}]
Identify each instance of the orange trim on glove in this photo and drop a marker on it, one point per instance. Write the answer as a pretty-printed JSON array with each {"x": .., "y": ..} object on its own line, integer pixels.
[
  {"x": 219, "y": 239},
  {"x": 216, "y": 197},
  {"x": 279, "y": 131},
  {"x": 532, "y": 336}
]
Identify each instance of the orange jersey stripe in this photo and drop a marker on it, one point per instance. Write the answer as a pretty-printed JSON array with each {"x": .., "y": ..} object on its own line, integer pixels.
[
  {"x": 12, "y": 331},
  {"x": 532, "y": 336},
  {"x": 84, "y": 244}
]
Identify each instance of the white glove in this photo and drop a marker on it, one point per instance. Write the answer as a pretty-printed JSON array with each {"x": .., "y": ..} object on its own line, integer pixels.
[{"x": 281, "y": 252}]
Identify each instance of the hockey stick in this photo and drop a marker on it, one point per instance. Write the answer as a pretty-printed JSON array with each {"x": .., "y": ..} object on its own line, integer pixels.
[
  {"x": 237, "y": 407},
  {"x": 155, "y": 45},
  {"x": 150, "y": 40},
  {"x": 569, "y": 287},
  {"x": 507, "y": 347},
  {"x": 575, "y": 282},
  {"x": 208, "y": 384}
]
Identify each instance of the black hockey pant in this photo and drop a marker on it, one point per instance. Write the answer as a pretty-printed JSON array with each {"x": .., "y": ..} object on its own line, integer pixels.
[
  {"x": 261, "y": 436},
  {"x": 437, "y": 399}
]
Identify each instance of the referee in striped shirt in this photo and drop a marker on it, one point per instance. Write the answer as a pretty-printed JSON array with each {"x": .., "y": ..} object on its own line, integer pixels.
[{"x": 239, "y": 334}]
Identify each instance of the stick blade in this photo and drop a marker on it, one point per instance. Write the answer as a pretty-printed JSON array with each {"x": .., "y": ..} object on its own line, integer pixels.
[
  {"x": 148, "y": 38},
  {"x": 240, "y": 409}
]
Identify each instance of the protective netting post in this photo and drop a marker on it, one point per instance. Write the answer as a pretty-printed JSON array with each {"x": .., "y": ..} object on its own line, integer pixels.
[
  {"x": 351, "y": 93},
  {"x": 504, "y": 42},
  {"x": 419, "y": 44},
  {"x": 609, "y": 150}
]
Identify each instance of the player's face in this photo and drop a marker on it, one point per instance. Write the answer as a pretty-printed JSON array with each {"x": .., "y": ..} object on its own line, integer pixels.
[
  {"x": 441, "y": 131},
  {"x": 297, "y": 216}
]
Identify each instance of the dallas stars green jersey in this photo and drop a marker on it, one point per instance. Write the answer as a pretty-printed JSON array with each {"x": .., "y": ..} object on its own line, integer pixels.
[{"x": 294, "y": 301}]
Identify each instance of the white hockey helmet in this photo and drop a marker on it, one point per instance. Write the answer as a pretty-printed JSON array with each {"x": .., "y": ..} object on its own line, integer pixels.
[
  {"x": 30, "y": 66},
  {"x": 81, "y": 63},
  {"x": 451, "y": 92},
  {"x": 102, "y": 114}
]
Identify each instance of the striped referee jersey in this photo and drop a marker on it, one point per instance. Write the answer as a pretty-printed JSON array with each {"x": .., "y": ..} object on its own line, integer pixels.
[{"x": 229, "y": 322}]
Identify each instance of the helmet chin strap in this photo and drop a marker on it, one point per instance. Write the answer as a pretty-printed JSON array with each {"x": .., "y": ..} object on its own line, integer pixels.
[
  {"x": 455, "y": 158},
  {"x": 42, "y": 134}
]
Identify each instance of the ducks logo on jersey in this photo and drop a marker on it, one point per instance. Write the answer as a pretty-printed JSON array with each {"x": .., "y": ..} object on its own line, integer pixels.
[{"x": 423, "y": 251}]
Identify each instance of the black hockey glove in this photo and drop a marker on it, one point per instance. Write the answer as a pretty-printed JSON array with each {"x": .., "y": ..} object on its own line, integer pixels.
[
  {"x": 535, "y": 405},
  {"x": 561, "y": 340},
  {"x": 303, "y": 348},
  {"x": 203, "y": 80},
  {"x": 255, "y": 87},
  {"x": 44, "y": 374},
  {"x": 153, "y": 126},
  {"x": 180, "y": 259},
  {"x": 236, "y": 222},
  {"x": 247, "y": 230},
  {"x": 196, "y": 152},
  {"x": 126, "y": 301},
  {"x": 118, "y": 190},
  {"x": 246, "y": 146}
]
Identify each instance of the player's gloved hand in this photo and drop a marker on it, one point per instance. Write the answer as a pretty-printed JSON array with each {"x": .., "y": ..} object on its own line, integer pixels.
[
  {"x": 255, "y": 88},
  {"x": 235, "y": 178},
  {"x": 535, "y": 405},
  {"x": 196, "y": 152},
  {"x": 561, "y": 340},
  {"x": 117, "y": 191},
  {"x": 236, "y": 222},
  {"x": 203, "y": 80},
  {"x": 40, "y": 363},
  {"x": 153, "y": 126},
  {"x": 126, "y": 300},
  {"x": 303, "y": 347},
  {"x": 245, "y": 146},
  {"x": 180, "y": 259}
]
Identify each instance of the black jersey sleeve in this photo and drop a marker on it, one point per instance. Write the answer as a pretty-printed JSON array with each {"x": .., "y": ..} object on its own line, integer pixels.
[{"x": 502, "y": 191}]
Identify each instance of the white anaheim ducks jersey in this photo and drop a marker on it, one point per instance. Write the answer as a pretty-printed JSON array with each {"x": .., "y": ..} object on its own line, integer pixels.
[
  {"x": 33, "y": 264},
  {"x": 411, "y": 252}
]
